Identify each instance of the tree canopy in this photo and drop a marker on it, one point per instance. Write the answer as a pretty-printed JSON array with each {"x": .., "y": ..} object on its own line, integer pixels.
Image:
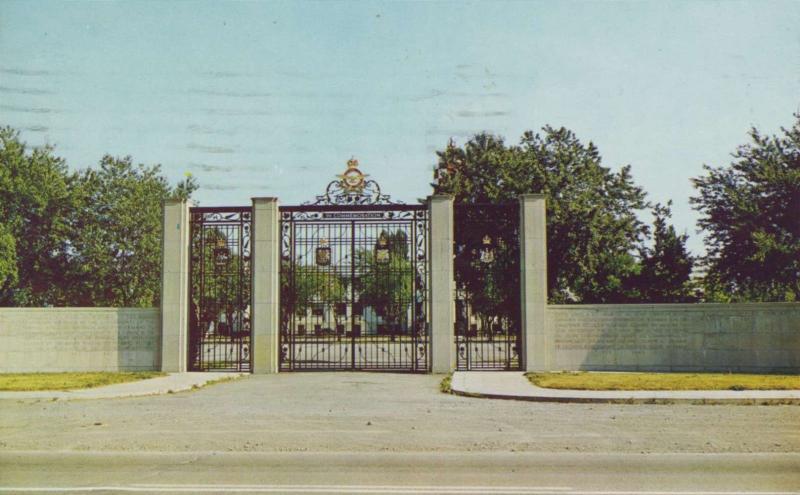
[
  {"x": 84, "y": 238},
  {"x": 488, "y": 276},
  {"x": 8, "y": 259},
  {"x": 37, "y": 204},
  {"x": 594, "y": 235},
  {"x": 386, "y": 283},
  {"x": 751, "y": 217},
  {"x": 666, "y": 266}
]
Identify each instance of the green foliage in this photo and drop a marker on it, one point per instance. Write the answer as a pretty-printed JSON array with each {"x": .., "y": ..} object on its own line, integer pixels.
[
  {"x": 8, "y": 259},
  {"x": 118, "y": 234},
  {"x": 387, "y": 286},
  {"x": 487, "y": 286},
  {"x": 593, "y": 232},
  {"x": 184, "y": 189},
  {"x": 750, "y": 215},
  {"x": 91, "y": 238},
  {"x": 446, "y": 385},
  {"x": 37, "y": 201},
  {"x": 667, "y": 266},
  {"x": 220, "y": 285},
  {"x": 312, "y": 284}
]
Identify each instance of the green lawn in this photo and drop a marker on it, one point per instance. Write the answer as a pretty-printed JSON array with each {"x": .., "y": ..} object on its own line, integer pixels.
[
  {"x": 18, "y": 382},
  {"x": 663, "y": 381}
]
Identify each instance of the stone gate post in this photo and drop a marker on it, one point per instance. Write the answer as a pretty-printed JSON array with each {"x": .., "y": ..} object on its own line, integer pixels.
[
  {"x": 265, "y": 310},
  {"x": 442, "y": 284},
  {"x": 536, "y": 341},
  {"x": 174, "y": 285}
]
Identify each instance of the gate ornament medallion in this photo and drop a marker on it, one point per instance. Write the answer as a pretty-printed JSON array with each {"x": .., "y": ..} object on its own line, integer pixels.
[
  {"x": 323, "y": 255},
  {"x": 354, "y": 280},
  {"x": 382, "y": 251},
  {"x": 487, "y": 251},
  {"x": 353, "y": 188}
]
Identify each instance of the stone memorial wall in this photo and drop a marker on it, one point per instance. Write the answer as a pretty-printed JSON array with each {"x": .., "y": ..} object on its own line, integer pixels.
[
  {"x": 759, "y": 337},
  {"x": 79, "y": 339},
  {"x": 763, "y": 337}
]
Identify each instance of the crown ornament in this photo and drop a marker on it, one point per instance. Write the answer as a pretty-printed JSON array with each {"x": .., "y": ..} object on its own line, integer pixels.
[
  {"x": 353, "y": 188},
  {"x": 353, "y": 180}
]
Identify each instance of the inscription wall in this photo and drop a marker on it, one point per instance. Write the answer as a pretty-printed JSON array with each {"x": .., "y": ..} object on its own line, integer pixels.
[
  {"x": 79, "y": 339},
  {"x": 761, "y": 337}
]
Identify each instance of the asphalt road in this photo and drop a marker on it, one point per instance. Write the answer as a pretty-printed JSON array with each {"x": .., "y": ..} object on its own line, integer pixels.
[
  {"x": 389, "y": 433},
  {"x": 383, "y": 473}
]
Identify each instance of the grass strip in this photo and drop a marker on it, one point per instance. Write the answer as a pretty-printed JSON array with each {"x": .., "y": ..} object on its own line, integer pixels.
[
  {"x": 445, "y": 386},
  {"x": 29, "y": 382},
  {"x": 663, "y": 381}
]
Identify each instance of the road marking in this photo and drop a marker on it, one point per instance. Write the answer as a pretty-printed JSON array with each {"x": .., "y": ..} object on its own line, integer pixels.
[{"x": 369, "y": 489}]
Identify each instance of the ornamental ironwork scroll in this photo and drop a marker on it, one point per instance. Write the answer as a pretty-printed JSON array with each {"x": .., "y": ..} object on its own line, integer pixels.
[
  {"x": 354, "y": 276},
  {"x": 353, "y": 188}
]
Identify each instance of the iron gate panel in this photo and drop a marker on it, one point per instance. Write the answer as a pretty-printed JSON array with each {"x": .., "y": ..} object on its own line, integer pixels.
[
  {"x": 354, "y": 288},
  {"x": 219, "y": 289},
  {"x": 488, "y": 317}
]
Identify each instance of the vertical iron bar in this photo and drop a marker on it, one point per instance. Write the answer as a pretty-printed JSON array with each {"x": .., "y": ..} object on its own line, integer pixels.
[
  {"x": 352, "y": 290},
  {"x": 292, "y": 286},
  {"x": 414, "y": 288}
]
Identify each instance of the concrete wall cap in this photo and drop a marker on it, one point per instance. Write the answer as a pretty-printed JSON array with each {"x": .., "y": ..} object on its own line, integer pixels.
[
  {"x": 172, "y": 201},
  {"x": 532, "y": 196},
  {"x": 265, "y": 199},
  {"x": 440, "y": 197}
]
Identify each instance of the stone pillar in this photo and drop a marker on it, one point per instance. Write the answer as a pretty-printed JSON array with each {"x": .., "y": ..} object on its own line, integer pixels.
[
  {"x": 442, "y": 284},
  {"x": 536, "y": 341},
  {"x": 264, "y": 317},
  {"x": 174, "y": 285}
]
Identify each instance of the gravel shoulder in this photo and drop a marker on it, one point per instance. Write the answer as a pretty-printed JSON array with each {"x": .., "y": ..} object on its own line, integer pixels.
[{"x": 377, "y": 412}]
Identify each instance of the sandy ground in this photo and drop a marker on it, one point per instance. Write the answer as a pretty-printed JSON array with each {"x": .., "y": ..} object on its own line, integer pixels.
[{"x": 376, "y": 412}]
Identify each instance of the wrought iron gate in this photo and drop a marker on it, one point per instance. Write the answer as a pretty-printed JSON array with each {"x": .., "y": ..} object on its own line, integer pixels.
[
  {"x": 220, "y": 287},
  {"x": 354, "y": 276},
  {"x": 487, "y": 269}
]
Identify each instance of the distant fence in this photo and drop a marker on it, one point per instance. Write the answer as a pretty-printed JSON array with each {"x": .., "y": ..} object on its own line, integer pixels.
[
  {"x": 79, "y": 339},
  {"x": 757, "y": 337}
]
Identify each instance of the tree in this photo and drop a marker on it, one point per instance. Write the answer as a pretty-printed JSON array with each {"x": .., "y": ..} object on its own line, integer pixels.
[
  {"x": 750, "y": 215},
  {"x": 116, "y": 244},
  {"x": 90, "y": 238},
  {"x": 8, "y": 259},
  {"x": 667, "y": 266},
  {"x": 303, "y": 285},
  {"x": 485, "y": 273},
  {"x": 386, "y": 283},
  {"x": 37, "y": 200},
  {"x": 315, "y": 284},
  {"x": 219, "y": 278},
  {"x": 593, "y": 232}
]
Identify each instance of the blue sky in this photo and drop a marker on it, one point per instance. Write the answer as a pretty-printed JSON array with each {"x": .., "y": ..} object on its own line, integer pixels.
[{"x": 271, "y": 99}]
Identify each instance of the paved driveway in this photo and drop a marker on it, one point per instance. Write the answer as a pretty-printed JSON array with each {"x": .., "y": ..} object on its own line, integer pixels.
[
  {"x": 393, "y": 434},
  {"x": 382, "y": 412}
]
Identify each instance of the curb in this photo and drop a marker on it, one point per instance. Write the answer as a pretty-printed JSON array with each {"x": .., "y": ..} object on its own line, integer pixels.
[
  {"x": 514, "y": 386},
  {"x": 629, "y": 400}
]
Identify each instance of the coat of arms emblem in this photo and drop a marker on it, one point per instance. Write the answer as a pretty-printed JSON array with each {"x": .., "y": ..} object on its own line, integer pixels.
[{"x": 487, "y": 250}]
